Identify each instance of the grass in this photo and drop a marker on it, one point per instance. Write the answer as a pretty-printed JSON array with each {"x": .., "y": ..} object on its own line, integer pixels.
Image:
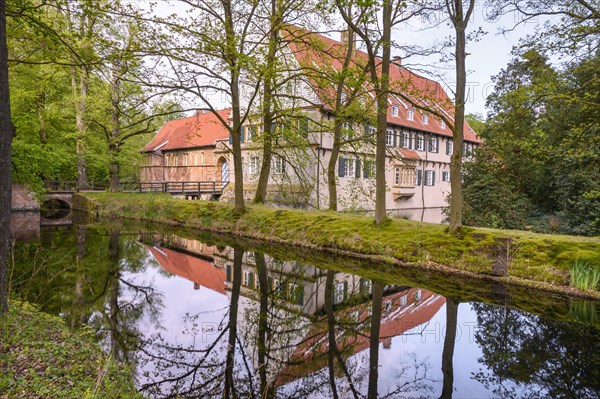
[
  {"x": 538, "y": 258},
  {"x": 584, "y": 276},
  {"x": 41, "y": 358}
]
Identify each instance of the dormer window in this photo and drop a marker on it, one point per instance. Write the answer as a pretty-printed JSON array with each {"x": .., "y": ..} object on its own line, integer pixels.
[
  {"x": 395, "y": 110},
  {"x": 425, "y": 119},
  {"x": 443, "y": 124},
  {"x": 410, "y": 115}
]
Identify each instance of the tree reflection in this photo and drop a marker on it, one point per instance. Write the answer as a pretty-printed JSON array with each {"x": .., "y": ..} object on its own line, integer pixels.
[
  {"x": 448, "y": 352},
  {"x": 533, "y": 357}
]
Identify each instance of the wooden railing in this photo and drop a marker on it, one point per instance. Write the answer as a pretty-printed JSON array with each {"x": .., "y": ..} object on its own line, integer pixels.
[
  {"x": 172, "y": 187},
  {"x": 187, "y": 187}
]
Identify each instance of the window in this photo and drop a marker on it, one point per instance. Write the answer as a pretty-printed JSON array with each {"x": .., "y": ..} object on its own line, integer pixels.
[
  {"x": 369, "y": 168},
  {"x": 339, "y": 292},
  {"x": 418, "y": 177},
  {"x": 394, "y": 110},
  {"x": 449, "y": 147},
  {"x": 425, "y": 119},
  {"x": 350, "y": 169},
  {"x": 446, "y": 175},
  {"x": 248, "y": 279},
  {"x": 253, "y": 166},
  {"x": 278, "y": 165},
  {"x": 403, "y": 300},
  {"x": 365, "y": 286},
  {"x": 420, "y": 143},
  {"x": 251, "y": 132},
  {"x": 404, "y": 176},
  {"x": 406, "y": 140},
  {"x": 389, "y": 138},
  {"x": 370, "y": 131},
  {"x": 443, "y": 124},
  {"x": 433, "y": 144},
  {"x": 410, "y": 114},
  {"x": 429, "y": 178}
]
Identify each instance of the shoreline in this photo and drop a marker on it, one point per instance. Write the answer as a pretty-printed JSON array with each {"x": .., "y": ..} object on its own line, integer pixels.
[{"x": 534, "y": 260}]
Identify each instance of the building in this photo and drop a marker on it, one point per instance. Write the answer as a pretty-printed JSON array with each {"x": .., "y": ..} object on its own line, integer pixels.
[
  {"x": 186, "y": 150},
  {"x": 419, "y": 144},
  {"x": 417, "y": 162}
]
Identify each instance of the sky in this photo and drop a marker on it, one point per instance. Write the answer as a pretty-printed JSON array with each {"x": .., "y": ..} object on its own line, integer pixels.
[{"x": 486, "y": 58}]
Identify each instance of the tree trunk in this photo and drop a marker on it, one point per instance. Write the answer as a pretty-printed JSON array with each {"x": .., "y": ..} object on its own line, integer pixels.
[
  {"x": 79, "y": 84},
  {"x": 331, "y": 178},
  {"x": 374, "y": 339},
  {"x": 6, "y": 135},
  {"x": 267, "y": 139},
  {"x": 229, "y": 389},
  {"x": 233, "y": 58},
  {"x": 448, "y": 353},
  {"x": 382, "y": 110},
  {"x": 460, "y": 21},
  {"x": 267, "y": 391},
  {"x": 330, "y": 331},
  {"x": 115, "y": 132}
]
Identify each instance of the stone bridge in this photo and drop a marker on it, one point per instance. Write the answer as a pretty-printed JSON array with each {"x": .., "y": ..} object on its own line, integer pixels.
[{"x": 63, "y": 198}]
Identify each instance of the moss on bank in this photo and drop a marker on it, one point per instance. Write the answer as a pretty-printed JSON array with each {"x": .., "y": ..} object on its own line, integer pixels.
[
  {"x": 41, "y": 358},
  {"x": 532, "y": 259}
]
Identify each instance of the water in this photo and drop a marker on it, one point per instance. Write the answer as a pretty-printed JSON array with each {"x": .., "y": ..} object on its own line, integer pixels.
[{"x": 200, "y": 315}]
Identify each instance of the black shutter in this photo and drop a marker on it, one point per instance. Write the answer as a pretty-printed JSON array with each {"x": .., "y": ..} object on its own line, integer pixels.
[
  {"x": 357, "y": 168},
  {"x": 419, "y": 177},
  {"x": 242, "y": 135},
  {"x": 230, "y": 138},
  {"x": 341, "y": 167},
  {"x": 410, "y": 141},
  {"x": 433, "y": 178},
  {"x": 366, "y": 169}
]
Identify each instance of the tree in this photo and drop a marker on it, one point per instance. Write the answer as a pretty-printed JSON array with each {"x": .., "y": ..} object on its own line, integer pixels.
[
  {"x": 379, "y": 71},
  {"x": 460, "y": 20},
  {"x": 225, "y": 30},
  {"x": 6, "y": 136}
]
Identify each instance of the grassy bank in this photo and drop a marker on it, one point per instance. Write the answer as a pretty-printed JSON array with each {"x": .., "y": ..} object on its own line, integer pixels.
[
  {"x": 41, "y": 358},
  {"x": 530, "y": 259}
]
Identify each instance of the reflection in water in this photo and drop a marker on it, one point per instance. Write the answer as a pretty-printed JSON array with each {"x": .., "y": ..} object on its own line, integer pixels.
[{"x": 200, "y": 320}]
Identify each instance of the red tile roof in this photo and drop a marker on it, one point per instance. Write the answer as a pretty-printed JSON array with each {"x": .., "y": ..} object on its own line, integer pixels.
[
  {"x": 196, "y": 131},
  {"x": 317, "y": 51},
  {"x": 194, "y": 269},
  {"x": 410, "y": 154},
  {"x": 311, "y": 354}
]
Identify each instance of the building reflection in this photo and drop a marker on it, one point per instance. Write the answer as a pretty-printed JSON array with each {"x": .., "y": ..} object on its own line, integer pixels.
[{"x": 290, "y": 299}]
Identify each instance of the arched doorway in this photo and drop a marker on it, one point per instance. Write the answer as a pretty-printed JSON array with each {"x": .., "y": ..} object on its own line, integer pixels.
[{"x": 224, "y": 168}]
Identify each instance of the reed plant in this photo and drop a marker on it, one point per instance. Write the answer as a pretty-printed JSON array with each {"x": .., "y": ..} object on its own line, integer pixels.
[{"x": 584, "y": 276}]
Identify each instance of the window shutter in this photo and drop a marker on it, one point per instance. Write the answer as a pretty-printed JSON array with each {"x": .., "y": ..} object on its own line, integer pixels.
[
  {"x": 305, "y": 126},
  {"x": 242, "y": 135},
  {"x": 419, "y": 177},
  {"x": 366, "y": 169},
  {"x": 448, "y": 147},
  {"x": 342, "y": 167},
  {"x": 228, "y": 272},
  {"x": 366, "y": 130},
  {"x": 433, "y": 178},
  {"x": 357, "y": 168},
  {"x": 300, "y": 295},
  {"x": 345, "y": 290},
  {"x": 230, "y": 138},
  {"x": 283, "y": 164},
  {"x": 410, "y": 141}
]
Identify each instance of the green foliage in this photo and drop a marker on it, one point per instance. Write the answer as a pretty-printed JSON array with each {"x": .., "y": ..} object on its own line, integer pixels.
[
  {"x": 40, "y": 357},
  {"x": 584, "y": 276},
  {"x": 542, "y": 149}
]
